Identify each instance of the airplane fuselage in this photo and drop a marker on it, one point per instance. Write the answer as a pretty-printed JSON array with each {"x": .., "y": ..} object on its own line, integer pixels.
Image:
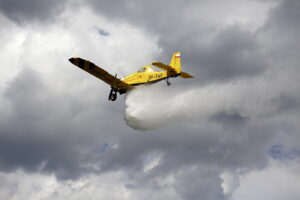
[{"x": 146, "y": 75}]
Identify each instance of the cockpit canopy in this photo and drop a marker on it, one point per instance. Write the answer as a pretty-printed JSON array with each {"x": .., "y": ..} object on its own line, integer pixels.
[
  {"x": 142, "y": 69},
  {"x": 145, "y": 69}
]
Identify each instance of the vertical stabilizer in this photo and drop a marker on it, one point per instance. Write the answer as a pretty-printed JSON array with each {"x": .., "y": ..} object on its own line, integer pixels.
[{"x": 175, "y": 62}]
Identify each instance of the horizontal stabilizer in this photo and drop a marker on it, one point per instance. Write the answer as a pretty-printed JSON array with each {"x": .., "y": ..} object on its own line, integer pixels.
[
  {"x": 100, "y": 73},
  {"x": 185, "y": 75}
]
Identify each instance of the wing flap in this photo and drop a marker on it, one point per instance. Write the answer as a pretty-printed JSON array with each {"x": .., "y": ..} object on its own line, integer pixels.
[
  {"x": 185, "y": 75},
  {"x": 100, "y": 73},
  {"x": 164, "y": 67}
]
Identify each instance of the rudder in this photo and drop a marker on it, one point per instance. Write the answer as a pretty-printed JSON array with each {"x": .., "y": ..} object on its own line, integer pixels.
[{"x": 175, "y": 62}]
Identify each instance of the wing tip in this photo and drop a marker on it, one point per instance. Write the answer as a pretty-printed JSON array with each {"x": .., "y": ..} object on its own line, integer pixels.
[
  {"x": 72, "y": 60},
  {"x": 185, "y": 75}
]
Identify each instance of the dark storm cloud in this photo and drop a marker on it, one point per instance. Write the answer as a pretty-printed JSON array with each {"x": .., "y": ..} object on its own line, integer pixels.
[
  {"x": 27, "y": 10},
  {"x": 234, "y": 53},
  {"x": 25, "y": 143},
  {"x": 151, "y": 14},
  {"x": 33, "y": 152},
  {"x": 42, "y": 132},
  {"x": 231, "y": 54},
  {"x": 181, "y": 148},
  {"x": 287, "y": 103},
  {"x": 199, "y": 156},
  {"x": 67, "y": 135},
  {"x": 285, "y": 18},
  {"x": 282, "y": 31},
  {"x": 191, "y": 183}
]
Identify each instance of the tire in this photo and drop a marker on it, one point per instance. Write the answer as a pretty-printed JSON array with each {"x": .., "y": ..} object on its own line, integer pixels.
[{"x": 113, "y": 96}]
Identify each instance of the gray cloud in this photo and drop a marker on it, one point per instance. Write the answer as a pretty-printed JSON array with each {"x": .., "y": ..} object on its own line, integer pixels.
[
  {"x": 70, "y": 134},
  {"x": 200, "y": 156},
  {"x": 234, "y": 53},
  {"x": 43, "y": 132},
  {"x": 230, "y": 118},
  {"x": 231, "y": 54},
  {"x": 284, "y": 18},
  {"x": 191, "y": 183},
  {"x": 27, "y": 10}
]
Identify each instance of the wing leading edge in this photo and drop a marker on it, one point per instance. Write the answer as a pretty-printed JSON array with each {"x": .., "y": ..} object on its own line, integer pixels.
[{"x": 100, "y": 73}]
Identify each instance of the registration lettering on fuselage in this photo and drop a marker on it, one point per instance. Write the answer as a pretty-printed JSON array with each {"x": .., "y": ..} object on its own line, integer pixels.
[{"x": 156, "y": 76}]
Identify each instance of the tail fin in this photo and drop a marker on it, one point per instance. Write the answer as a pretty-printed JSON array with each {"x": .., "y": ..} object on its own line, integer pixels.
[{"x": 175, "y": 62}]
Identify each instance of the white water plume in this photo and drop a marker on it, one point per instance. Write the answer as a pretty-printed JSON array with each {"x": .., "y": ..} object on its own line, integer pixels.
[{"x": 151, "y": 106}]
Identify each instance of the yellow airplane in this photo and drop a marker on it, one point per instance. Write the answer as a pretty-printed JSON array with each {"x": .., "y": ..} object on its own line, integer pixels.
[{"x": 145, "y": 75}]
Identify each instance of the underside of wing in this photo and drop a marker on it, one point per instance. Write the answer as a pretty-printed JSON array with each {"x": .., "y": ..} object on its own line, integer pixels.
[
  {"x": 185, "y": 75},
  {"x": 100, "y": 73},
  {"x": 164, "y": 67}
]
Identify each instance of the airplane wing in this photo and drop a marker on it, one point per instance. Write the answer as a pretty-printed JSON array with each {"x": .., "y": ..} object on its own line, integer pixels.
[
  {"x": 100, "y": 73},
  {"x": 164, "y": 67},
  {"x": 185, "y": 75},
  {"x": 171, "y": 69}
]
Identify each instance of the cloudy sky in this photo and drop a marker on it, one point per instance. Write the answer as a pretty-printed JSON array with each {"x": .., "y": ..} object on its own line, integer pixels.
[{"x": 231, "y": 133}]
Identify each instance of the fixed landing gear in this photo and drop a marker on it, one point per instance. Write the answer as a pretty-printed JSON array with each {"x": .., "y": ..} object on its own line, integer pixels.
[
  {"x": 112, "y": 95},
  {"x": 168, "y": 83}
]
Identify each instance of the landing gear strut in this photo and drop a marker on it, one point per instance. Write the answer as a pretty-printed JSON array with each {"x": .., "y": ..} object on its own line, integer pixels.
[
  {"x": 112, "y": 95},
  {"x": 168, "y": 83}
]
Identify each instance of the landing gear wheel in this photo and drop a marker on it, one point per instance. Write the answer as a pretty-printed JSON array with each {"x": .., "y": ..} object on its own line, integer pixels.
[{"x": 112, "y": 95}]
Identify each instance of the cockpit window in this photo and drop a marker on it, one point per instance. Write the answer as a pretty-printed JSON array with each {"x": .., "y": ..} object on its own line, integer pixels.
[{"x": 143, "y": 69}]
